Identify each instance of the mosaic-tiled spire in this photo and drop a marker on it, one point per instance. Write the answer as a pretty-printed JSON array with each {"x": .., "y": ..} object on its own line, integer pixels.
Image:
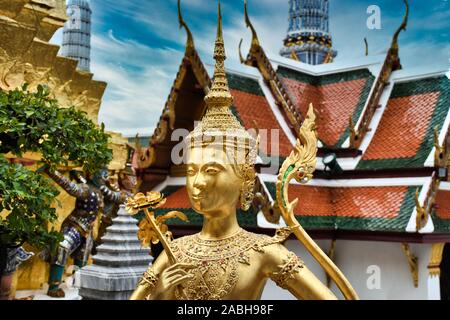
[
  {"x": 77, "y": 33},
  {"x": 308, "y": 38}
]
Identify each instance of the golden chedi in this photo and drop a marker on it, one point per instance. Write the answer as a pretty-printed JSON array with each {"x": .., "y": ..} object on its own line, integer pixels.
[{"x": 224, "y": 261}]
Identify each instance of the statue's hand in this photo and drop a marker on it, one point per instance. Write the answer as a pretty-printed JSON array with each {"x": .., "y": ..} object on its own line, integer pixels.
[{"x": 170, "y": 278}]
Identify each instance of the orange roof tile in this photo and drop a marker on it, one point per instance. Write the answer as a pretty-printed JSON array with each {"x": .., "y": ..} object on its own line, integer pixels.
[
  {"x": 313, "y": 201},
  {"x": 443, "y": 204},
  {"x": 355, "y": 202},
  {"x": 369, "y": 202},
  {"x": 334, "y": 103},
  {"x": 404, "y": 117},
  {"x": 177, "y": 200},
  {"x": 253, "y": 107}
]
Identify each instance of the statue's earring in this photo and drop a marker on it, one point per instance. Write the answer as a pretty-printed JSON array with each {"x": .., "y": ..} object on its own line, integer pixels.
[{"x": 246, "y": 197}]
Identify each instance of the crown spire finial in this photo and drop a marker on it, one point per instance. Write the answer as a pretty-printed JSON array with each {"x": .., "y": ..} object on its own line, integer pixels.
[
  {"x": 219, "y": 95},
  {"x": 219, "y": 127}
]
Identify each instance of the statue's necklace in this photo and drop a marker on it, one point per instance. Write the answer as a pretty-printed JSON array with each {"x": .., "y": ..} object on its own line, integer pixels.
[{"x": 216, "y": 260}]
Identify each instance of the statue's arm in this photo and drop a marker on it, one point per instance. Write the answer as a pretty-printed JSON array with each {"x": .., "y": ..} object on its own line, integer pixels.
[
  {"x": 116, "y": 197},
  {"x": 290, "y": 273},
  {"x": 145, "y": 289},
  {"x": 74, "y": 189}
]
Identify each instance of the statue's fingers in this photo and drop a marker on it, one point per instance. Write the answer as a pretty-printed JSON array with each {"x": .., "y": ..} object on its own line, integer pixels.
[
  {"x": 180, "y": 265},
  {"x": 176, "y": 272},
  {"x": 173, "y": 267},
  {"x": 180, "y": 280},
  {"x": 175, "y": 276}
]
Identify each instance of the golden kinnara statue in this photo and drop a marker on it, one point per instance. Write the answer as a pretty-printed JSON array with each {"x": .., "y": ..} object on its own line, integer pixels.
[{"x": 224, "y": 261}]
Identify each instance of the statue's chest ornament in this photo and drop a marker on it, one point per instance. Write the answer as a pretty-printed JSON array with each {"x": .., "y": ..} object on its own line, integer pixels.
[{"x": 217, "y": 262}]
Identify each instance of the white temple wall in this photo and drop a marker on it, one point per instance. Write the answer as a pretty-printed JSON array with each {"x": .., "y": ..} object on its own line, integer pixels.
[{"x": 361, "y": 261}]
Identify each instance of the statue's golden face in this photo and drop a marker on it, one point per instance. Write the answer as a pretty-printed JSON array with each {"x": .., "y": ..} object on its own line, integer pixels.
[{"x": 212, "y": 184}]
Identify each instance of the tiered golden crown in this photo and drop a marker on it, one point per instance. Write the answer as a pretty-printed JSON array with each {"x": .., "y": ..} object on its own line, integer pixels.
[{"x": 219, "y": 126}]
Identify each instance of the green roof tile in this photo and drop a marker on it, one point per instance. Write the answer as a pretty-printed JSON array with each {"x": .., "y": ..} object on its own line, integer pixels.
[
  {"x": 324, "y": 79},
  {"x": 397, "y": 224},
  {"x": 436, "y": 84},
  {"x": 241, "y": 83}
]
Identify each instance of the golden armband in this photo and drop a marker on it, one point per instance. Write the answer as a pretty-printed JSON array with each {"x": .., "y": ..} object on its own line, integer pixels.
[
  {"x": 148, "y": 281},
  {"x": 292, "y": 264}
]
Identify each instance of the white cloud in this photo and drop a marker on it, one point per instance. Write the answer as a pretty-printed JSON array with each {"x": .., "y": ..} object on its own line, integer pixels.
[{"x": 139, "y": 79}]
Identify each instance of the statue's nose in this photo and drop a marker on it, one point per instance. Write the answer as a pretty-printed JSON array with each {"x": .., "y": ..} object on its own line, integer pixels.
[{"x": 199, "y": 182}]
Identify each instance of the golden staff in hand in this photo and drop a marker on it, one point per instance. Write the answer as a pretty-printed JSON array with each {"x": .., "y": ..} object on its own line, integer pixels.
[{"x": 153, "y": 229}]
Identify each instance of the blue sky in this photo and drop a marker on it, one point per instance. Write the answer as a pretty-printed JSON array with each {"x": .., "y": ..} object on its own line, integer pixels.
[{"x": 137, "y": 46}]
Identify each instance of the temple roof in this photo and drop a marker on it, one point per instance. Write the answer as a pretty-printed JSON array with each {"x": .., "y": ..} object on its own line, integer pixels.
[
  {"x": 404, "y": 137},
  {"x": 389, "y": 132},
  {"x": 369, "y": 208},
  {"x": 253, "y": 110},
  {"x": 336, "y": 97}
]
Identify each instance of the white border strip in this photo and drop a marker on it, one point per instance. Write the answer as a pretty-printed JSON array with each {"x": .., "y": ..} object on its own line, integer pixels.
[
  {"x": 429, "y": 226},
  {"x": 352, "y": 163},
  {"x": 444, "y": 186},
  {"x": 401, "y": 76},
  {"x": 172, "y": 181},
  {"x": 247, "y": 72},
  {"x": 430, "y": 159},
  {"x": 384, "y": 99},
  {"x": 378, "y": 115},
  {"x": 424, "y": 182},
  {"x": 377, "y": 182},
  {"x": 160, "y": 187},
  {"x": 261, "y": 181},
  {"x": 373, "y": 63},
  {"x": 328, "y": 68},
  {"x": 276, "y": 111},
  {"x": 269, "y": 98},
  {"x": 261, "y": 222}
]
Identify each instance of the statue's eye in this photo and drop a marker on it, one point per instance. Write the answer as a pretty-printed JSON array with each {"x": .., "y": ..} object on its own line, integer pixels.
[
  {"x": 212, "y": 170},
  {"x": 190, "y": 172}
]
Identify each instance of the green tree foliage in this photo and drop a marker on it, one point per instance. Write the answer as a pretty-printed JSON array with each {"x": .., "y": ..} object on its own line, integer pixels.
[
  {"x": 27, "y": 197},
  {"x": 33, "y": 121}
]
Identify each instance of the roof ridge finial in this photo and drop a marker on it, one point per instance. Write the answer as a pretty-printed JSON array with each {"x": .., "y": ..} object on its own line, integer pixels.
[
  {"x": 394, "y": 56},
  {"x": 249, "y": 24},
  {"x": 190, "y": 39},
  {"x": 219, "y": 95},
  {"x": 403, "y": 26}
]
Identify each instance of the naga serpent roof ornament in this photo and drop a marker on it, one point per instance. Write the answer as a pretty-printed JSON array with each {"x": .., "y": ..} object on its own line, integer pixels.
[{"x": 300, "y": 166}]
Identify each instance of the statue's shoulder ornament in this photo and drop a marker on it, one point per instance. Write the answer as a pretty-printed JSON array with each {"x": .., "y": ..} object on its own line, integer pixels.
[
  {"x": 258, "y": 243},
  {"x": 263, "y": 241}
]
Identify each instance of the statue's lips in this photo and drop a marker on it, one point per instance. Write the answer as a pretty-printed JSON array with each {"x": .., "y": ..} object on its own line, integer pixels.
[{"x": 198, "y": 197}]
